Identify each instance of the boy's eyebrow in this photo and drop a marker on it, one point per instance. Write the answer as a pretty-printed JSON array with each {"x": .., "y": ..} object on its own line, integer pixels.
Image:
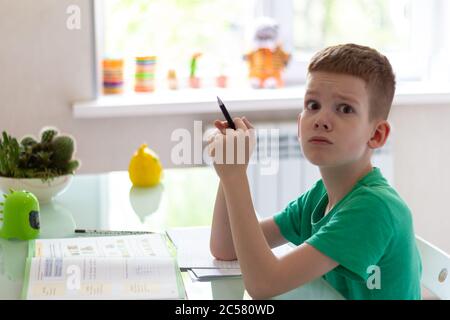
[{"x": 338, "y": 95}]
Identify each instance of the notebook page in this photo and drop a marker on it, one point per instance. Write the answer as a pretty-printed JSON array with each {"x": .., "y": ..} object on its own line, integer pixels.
[{"x": 102, "y": 278}]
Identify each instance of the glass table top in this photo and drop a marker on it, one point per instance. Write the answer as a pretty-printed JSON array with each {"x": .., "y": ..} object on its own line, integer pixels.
[{"x": 108, "y": 201}]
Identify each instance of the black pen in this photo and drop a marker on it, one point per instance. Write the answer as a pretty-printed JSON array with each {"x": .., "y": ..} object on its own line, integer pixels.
[
  {"x": 226, "y": 114},
  {"x": 111, "y": 232}
]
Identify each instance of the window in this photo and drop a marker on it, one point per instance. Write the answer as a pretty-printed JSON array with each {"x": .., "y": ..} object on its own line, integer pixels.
[
  {"x": 174, "y": 30},
  {"x": 412, "y": 33},
  {"x": 380, "y": 24}
]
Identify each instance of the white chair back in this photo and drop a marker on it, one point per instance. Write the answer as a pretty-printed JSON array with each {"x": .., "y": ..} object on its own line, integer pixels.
[{"x": 436, "y": 269}]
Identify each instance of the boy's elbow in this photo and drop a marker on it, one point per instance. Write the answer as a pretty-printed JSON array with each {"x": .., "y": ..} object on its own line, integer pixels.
[
  {"x": 259, "y": 292},
  {"x": 257, "y": 295},
  {"x": 221, "y": 253},
  {"x": 263, "y": 285},
  {"x": 223, "y": 257}
]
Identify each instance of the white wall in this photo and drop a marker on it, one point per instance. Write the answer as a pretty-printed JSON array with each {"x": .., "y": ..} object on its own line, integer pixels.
[
  {"x": 422, "y": 168},
  {"x": 44, "y": 67}
]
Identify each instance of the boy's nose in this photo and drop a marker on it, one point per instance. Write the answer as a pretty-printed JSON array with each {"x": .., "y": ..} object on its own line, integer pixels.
[{"x": 322, "y": 124}]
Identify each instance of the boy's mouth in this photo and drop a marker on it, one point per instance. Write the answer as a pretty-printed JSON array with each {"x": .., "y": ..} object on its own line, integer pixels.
[{"x": 319, "y": 140}]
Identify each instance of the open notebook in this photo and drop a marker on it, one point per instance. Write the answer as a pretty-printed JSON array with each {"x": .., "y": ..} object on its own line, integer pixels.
[{"x": 113, "y": 267}]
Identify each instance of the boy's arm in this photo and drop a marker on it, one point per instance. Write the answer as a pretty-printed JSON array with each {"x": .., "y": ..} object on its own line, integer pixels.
[
  {"x": 264, "y": 274},
  {"x": 221, "y": 241}
]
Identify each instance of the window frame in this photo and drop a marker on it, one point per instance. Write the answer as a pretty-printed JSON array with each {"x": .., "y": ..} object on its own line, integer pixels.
[{"x": 98, "y": 10}]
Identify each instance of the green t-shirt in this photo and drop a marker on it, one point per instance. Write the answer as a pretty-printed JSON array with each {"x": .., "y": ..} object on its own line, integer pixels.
[{"x": 369, "y": 233}]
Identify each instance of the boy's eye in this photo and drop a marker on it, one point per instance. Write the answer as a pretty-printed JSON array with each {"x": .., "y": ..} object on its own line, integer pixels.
[
  {"x": 312, "y": 105},
  {"x": 345, "y": 108}
]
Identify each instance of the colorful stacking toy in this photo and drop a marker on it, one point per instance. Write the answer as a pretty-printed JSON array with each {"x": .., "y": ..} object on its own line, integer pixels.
[
  {"x": 112, "y": 76},
  {"x": 145, "y": 74}
]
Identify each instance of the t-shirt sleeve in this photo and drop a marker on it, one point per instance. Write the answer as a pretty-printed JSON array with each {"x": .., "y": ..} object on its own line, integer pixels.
[{"x": 356, "y": 236}]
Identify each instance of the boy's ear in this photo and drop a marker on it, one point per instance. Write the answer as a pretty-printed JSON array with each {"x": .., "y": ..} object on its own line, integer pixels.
[
  {"x": 380, "y": 135},
  {"x": 298, "y": 125}
]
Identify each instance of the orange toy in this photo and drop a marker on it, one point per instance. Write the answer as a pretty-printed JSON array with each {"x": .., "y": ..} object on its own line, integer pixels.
[{"x": 268, "y": 59}]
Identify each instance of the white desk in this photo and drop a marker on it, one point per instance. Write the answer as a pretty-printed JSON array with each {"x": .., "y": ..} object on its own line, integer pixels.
[{"x": 109, "y": 202}]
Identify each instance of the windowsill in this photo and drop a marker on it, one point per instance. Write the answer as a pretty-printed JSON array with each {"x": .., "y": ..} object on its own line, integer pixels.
[{"x": 195, "y": 101}]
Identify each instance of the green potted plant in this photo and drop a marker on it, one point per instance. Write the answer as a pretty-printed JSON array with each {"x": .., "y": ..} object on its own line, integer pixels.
[{"x": 43, "y": 167}]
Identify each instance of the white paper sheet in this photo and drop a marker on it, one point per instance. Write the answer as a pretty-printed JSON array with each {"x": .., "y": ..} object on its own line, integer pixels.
[{"x": 192, "y": 245}]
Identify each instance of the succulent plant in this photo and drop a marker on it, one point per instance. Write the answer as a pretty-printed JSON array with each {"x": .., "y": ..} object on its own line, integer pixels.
[
  {"x": 28, "y": 141},
  {"x": 63, "y": 148},
  {"x": 48, "y": 135},
  {"x": 9, "y": 155},
  {"x": 46, "y": 159}
]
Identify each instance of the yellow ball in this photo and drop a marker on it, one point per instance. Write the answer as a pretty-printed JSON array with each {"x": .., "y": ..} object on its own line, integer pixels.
[{"x": 145, "y": 169}]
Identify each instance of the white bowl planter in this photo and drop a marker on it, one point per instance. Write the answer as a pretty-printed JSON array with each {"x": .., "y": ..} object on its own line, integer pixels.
[{"x": 44, "y": 191}]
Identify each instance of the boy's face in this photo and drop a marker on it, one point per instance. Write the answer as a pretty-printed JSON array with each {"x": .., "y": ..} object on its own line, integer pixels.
[{"x": 334, "y": 127}]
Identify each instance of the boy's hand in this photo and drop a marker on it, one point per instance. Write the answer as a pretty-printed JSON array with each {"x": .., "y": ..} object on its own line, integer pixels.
[{"x": 231, "y": 149}]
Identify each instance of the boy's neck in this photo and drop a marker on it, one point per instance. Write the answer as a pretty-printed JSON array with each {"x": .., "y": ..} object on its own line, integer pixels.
[{"x": 339, "y": 181}]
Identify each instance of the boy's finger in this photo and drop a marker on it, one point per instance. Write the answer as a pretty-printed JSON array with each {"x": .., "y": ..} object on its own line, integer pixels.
[
  {"x": 247, "y": 123},
  {"x": 239, "y": 124},
  {"x": 221, "y": 125}
]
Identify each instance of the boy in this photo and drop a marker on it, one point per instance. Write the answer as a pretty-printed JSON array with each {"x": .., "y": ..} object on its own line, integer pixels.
[{"x": 351, "y": 227}]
